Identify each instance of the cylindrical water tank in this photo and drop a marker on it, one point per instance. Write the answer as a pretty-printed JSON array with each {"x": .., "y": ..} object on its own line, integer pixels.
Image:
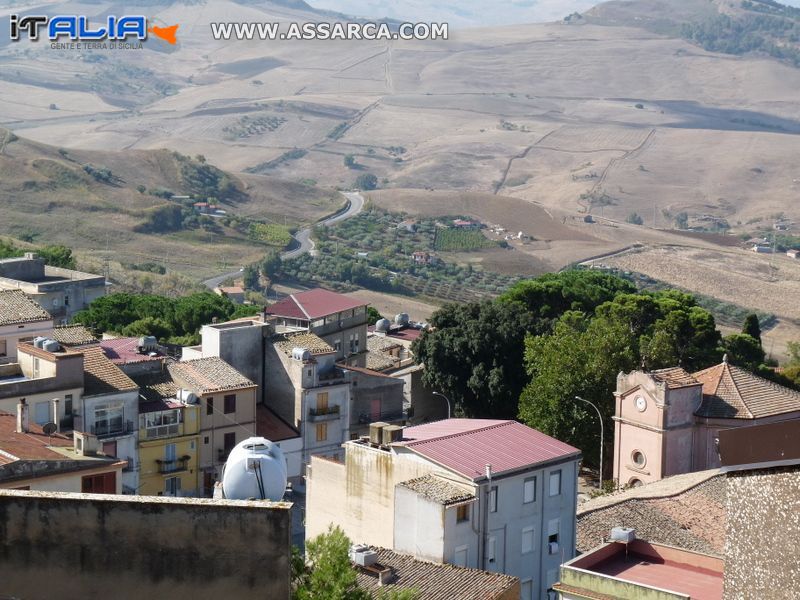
[
  {"x": 301, "y": 354},
  {"x": 256, "y": 468}
]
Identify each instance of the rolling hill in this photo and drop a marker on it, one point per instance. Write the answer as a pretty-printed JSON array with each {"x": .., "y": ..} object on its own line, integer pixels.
[{"x": 117, "y": 206}]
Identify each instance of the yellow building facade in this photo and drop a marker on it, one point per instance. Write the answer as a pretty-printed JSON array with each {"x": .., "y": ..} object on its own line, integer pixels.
[{"x": 169, "y": 433}]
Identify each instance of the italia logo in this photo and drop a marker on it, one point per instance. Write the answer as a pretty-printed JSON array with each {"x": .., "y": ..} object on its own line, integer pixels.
[{"x": 78, "y": 28}]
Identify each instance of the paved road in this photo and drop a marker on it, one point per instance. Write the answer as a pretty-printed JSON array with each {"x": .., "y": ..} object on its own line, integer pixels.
[{"x": 355, "y": 204}]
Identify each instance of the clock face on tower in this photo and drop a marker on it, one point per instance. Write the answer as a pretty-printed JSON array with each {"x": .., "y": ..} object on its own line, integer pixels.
[{"x": 641, "y": 403}]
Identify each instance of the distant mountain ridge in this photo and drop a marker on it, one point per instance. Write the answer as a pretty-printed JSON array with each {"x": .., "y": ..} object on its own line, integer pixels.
[{"x": 729, "y": 26}]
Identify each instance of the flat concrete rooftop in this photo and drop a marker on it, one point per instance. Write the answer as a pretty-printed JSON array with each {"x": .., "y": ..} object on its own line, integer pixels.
[{"x": 619, "y": 570}]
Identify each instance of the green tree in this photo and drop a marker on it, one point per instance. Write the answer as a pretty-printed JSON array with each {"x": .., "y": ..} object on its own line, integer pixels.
[
  {"x": 551, "y": 295},
  {"x": 326, "y": 573},
  {"x": 743, "y": 351},
  {"x": 584, "y": 353},
  {"x": 635, "y": 218},
  {"x": 148, "y": 326},
  {"x": 350, "y": 161},
  {"x": 682, "y": 220},
  {"x": 752, "y": 327},
  {"x": 271, "y": 264},
  {"x": 473, "y": 353},
  {"x": 373, "y": 316},
  {"x": 251, "y": 278},
  {"x": 580, "y": 358},
  {"x": 57, "y": 256},
  {"x": 367, "y": 181}
]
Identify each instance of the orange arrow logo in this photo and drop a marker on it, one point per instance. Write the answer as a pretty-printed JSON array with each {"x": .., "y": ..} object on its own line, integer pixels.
[{"x": 165, "y": 33}]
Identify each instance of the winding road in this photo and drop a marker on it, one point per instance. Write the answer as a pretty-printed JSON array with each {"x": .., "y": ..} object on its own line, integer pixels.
[{"x": 355, "y": 203}]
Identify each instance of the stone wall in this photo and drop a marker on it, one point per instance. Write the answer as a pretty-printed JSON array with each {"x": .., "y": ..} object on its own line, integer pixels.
[
  {"x": 100, "y": 546},
  {"x": 761, "y": 551}
]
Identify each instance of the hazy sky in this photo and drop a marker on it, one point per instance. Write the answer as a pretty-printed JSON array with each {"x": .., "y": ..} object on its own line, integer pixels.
[{"x": 465, "y": 13}]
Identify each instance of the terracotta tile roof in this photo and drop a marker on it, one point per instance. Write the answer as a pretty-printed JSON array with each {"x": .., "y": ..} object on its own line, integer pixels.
[
  {"x": 313, "y": 304},
  {"x": 208, "y": 375},
  {"x": 124, "y": 351},
  {"x": 310, "y": 341},
  {"x": 73, "y": 335},
  {"x": 674, "y": 377},
  {"x": 379, "y": 361},
  {"x": 465, "y": 446},
  {"x": 436, "y": 581},
  {"x": 686, "y": 511},
  {"x": 438, "y": 490},
  {"x": 379, "y": 342},
  {"x": 156, "y": 387},
  {"x": 33, "y": 445},
  {"x": 733, "y": 393},
  {"x": 17, "y": 307},
  {"x": 101, "y": 376},
  {"x": 272, "y": 427}
]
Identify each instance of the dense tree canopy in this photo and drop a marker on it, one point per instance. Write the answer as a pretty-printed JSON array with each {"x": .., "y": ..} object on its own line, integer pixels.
[
  {"x": 176, "y": 320},
  {"x": 584, "y": 354},
  {"x": 474, "y": 352}
]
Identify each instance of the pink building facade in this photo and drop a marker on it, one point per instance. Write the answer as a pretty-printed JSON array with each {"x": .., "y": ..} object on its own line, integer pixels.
[{"x": 667, "y": 422}]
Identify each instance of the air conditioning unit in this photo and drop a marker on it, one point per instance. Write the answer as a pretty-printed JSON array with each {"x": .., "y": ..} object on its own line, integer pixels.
[
  {"x": 362, "y": 555},
  {"x": 553, "y": 546}
]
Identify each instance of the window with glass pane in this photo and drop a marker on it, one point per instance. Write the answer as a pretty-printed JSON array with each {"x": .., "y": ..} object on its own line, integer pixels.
[{"x": 108, "y": 419}]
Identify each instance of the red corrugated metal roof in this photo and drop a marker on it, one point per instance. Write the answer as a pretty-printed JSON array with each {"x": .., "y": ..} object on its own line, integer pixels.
[
  {"x": 123, "y": 351},
  {"x": 313, "y": 304},
  {"x": 466, "y": 446}
]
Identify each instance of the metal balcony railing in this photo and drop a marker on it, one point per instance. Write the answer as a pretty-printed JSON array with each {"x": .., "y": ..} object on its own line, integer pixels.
[
  {"x": 161, "y": 431},
  {"x": 173, "y": 466},
  {"x": 328, "y": 413},
  {"x": 105, "y": 431}
]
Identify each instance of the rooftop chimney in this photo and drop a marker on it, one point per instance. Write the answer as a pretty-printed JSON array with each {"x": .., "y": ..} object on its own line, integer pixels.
[
  {"x": 488, "y": 471},
  {"x": 22, "y": 416}
]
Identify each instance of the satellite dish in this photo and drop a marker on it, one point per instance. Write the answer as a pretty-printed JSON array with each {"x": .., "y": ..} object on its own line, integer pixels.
[{"x": 49, "y": 428}]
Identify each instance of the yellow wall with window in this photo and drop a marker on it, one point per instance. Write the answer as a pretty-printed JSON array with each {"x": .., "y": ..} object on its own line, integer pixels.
[{"x": 168, "y": 452}]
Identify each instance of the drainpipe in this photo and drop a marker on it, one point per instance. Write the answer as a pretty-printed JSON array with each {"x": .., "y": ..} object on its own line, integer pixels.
[
  {"x": 485, "y": 536},
  {"x": 56, "y": 420}
]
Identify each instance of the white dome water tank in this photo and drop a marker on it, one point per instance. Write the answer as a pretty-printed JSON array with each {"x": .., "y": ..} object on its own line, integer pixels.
[
  {"x": 401, "y": 319},
  {"x": 383, "y": 325},
  {"x": 256, "y": 468},
  {"x": 302, "y": 354}
]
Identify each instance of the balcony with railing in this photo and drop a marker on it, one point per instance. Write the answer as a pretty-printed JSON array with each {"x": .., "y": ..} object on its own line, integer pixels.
[
  {"x": 161, "y": 431},
  {"x": 332, "y": 376},
  {"x": 112, "y": 429},
  {"x": 327, "y": 413},
  {"x": 173, "y": 466}
]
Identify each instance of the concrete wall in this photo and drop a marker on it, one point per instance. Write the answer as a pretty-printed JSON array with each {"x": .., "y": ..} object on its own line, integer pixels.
[
  {"x": 419, "y": 526},
  {"x": 359, "y": 495},
  {"x": 102, "y": 546},
  {"x": 214, "y": 426},
  {"x": 387, "y": 392},
  {"x": 763, "y": 518},
  {"x": 11, "y": 334},
  {"x": 59, "y": 482},
  {"x": 239, "y": 344}
]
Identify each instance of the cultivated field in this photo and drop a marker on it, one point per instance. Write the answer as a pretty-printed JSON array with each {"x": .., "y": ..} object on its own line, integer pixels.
[
  {"x": 768, "y": 283},
  {"x": 528, "y": 127}
]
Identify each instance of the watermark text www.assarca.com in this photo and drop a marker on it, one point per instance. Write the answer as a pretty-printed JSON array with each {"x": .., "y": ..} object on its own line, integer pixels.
[{"x": 328, "y": 31}]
